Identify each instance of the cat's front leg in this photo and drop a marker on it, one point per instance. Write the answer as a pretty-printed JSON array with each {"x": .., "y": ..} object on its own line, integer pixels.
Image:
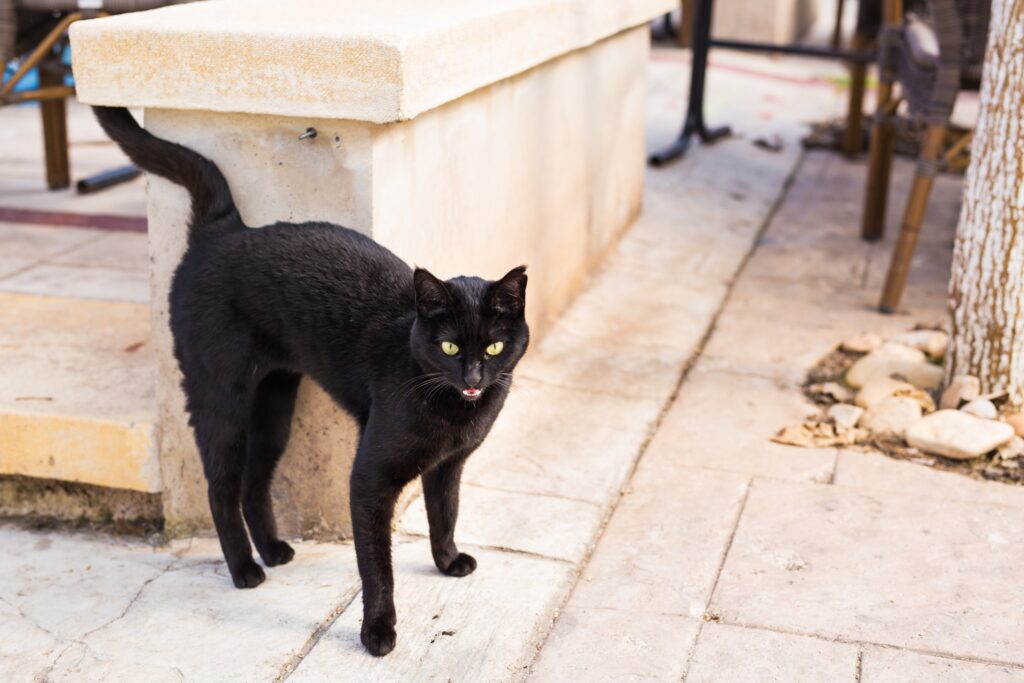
[
  {"x": 441, "y": 496},
  {"x": 373, "y": 496}
]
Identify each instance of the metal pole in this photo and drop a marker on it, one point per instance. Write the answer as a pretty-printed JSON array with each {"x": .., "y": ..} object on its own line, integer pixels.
[{"x": 694, "y": 123}]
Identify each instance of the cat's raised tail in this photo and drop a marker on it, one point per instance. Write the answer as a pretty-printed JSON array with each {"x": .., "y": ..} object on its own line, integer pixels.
[{"x": 211, "y": 197}]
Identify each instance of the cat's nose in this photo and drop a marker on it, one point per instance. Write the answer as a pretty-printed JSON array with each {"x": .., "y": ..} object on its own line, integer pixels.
[{"x": 472, "y": 375}]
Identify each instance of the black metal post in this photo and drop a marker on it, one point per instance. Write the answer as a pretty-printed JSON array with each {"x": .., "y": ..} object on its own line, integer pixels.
[{"x": 694, "y": 124}]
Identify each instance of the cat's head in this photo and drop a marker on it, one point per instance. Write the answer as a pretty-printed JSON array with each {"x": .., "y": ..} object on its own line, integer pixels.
[{"x": 470, "y": 333}]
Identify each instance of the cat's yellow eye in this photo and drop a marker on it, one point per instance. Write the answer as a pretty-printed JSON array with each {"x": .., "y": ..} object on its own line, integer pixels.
[
  {"x": 495, "y": 348},
  {"x": 449, "y": 348}
]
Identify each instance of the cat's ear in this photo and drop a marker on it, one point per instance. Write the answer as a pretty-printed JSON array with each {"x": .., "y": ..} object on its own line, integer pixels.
[
  {"x": 432, "y": 295},
  {"x": 508, "y": 295}
]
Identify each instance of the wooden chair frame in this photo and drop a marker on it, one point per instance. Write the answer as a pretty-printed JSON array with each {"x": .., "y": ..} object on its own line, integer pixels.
[
  {"x": 52, "y": 96},
  {"x": 879, "y": 167}
]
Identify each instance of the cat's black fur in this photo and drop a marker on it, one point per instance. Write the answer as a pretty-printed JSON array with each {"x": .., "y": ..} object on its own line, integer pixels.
[{"x": 252, "y": 310}]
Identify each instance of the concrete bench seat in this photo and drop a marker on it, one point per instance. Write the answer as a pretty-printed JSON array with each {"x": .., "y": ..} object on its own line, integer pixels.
[{"x": 465, "y": 136}]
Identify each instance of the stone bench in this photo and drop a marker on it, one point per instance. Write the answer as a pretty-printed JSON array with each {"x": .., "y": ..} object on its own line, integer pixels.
[{"x": 466, "y": 136}]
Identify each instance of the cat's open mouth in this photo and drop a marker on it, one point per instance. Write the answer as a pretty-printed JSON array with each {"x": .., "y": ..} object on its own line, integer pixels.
[{"x": 472, "y": 393}]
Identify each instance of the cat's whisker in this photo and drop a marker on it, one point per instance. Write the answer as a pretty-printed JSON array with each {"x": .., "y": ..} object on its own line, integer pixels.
[
  {"x": 415, "y": 379},
  {"x": 410, "y": 386},
  {"x": 436, "y": 388}
]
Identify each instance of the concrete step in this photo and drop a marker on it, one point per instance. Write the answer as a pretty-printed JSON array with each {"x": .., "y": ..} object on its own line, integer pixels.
[{"x": 77, "y": 397}]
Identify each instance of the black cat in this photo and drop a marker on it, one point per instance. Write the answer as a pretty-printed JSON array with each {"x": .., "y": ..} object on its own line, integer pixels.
[{"x": 423, "y": 365}]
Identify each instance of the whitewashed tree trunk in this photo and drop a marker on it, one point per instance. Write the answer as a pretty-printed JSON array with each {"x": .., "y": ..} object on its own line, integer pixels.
[{"x": 986, "y": 293}]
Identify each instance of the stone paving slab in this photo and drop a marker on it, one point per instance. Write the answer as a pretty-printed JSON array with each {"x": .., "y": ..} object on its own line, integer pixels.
[
  {"x": 540, "y": 525},
  {"x": 662, "y": 549},
  {"x": 564, "y": 458},
  {"x": 774, "y": 333},
  {"x": 635, "y": 612},
  {"x": 191, "y": 623},
  {"x": 115, "y": 250},
  {"x": 812, "y": 282},
  {"x": 77, "y": 399},
  {"x": 724, "y": 420},
  {"x": 568, "y": 360},
  {"x": 728, "y": 654},
  {"x": 56, "y": 588},
  {"x": 873, "y": 471},
  {"x": 24, "y": 246},
  {"x": 899, "y": 666},
  {"x": 108, "y": 284},
  {"x": 76, "y": 263},
  {"x": 483, "y": 627},
  {"x": 10, "y": 265},
  {"x": 75, "y": 600},
  {"x": 924, "y": 574},
  {"x": 597, "y": 645},
  {"x": 25, "y": 648},
  {"x": 127, "y": 612}
]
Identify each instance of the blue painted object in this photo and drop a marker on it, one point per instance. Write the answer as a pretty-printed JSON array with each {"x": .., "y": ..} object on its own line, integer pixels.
[{"x": 31, "y": 80}]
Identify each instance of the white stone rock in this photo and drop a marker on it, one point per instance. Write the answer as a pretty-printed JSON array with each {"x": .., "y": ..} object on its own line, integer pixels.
[
  {"x": 1012, "y": 449},
  {"x": 981, "y": 407},
  {"x": 932, "y": 342},
  {"x": 958, "y": 435},
  {"x": 891, "y": 416},
  {"x": 862, "y": 343},
  {"x": 920, "y": 373},
  {"x": 1015, "y": 420},
  {"x": 845, "y": 415},
  {"x": 897, "y": 351},
  {"x": 880, "y": 388},
  {"x": 961, "y": 388},
  {"x": 834, "y": 390}
]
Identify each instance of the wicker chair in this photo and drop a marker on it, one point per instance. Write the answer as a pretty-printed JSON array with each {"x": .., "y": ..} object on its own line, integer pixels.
[
  {"x": 37, "y": 28},
  {"x": 932, "y": 59}
]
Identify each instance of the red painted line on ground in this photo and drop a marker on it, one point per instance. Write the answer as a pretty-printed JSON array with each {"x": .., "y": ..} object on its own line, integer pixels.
[
  {"x": 674, "y": 56},
  {"x": 69, "y": 219}
]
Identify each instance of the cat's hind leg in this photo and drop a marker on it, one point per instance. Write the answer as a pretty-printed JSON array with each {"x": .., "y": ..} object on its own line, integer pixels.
[
  {"x": 269, "y": 426},
  {"x": 221, "y": 436}
]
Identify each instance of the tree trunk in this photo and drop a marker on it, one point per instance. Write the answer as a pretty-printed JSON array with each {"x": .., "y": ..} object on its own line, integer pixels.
[{"x": 986, "y": 293}]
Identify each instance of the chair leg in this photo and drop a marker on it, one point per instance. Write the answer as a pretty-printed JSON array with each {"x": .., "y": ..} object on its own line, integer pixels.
[
  {"x": 55, "y": 132},
  {"x": 876, "y": 195},
  {"x": 837, "y": 30},
  {"x": 913, "y": 217},
  {"x": 686, "y": 25},
  {"x": 853, "y": 135}
]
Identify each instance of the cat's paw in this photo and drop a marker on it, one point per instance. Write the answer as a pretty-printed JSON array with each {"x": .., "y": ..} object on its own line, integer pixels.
[
  {"x": 462, "y": 565},
  {"x": 378, "y": 636},
  {"x": 249, "y": 575},
  {"x": 278, "y": 553}
]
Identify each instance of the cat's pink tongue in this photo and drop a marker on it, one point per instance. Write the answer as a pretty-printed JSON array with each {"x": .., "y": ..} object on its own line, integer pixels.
[{"x": 472, "y": 391}]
